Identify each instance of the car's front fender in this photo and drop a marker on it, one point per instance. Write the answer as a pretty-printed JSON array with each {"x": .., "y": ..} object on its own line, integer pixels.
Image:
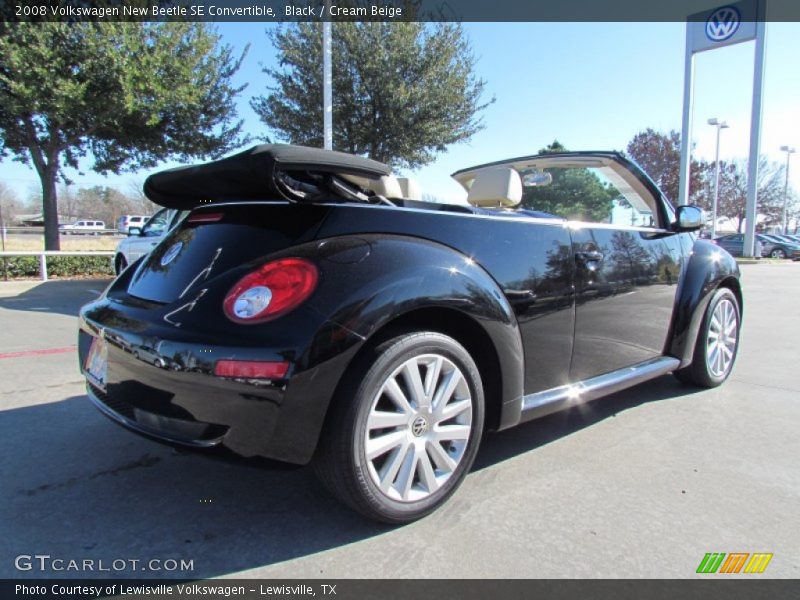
[{"x": 708, "y": 268}]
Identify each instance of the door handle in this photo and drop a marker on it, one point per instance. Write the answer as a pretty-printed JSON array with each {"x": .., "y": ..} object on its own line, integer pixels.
[{"x": 589, "y": 256}]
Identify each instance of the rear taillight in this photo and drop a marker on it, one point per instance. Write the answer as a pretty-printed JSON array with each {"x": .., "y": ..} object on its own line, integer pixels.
[{"x": 271, "y": 291}]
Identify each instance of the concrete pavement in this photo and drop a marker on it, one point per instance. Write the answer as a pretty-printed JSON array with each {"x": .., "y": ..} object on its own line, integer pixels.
[{"x": 641, "y": 484}]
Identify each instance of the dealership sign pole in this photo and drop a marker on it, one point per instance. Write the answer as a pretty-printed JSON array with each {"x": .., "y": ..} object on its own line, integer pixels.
[{"x": 707, "y": 30}]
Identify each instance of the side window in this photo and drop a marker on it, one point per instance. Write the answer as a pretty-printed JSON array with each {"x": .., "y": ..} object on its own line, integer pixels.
[
  {"x": 158, "y": 224},
  {"x": 592, "y": 195}
]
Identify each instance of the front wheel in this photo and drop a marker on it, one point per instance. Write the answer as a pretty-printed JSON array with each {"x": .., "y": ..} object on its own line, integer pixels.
[
  {"x": 717, "y": 342},
  {"x": 778, "y": 253},
  {"x": 404, "y": 428}
]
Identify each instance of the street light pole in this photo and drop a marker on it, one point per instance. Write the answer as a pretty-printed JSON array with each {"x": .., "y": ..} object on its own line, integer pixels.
[
  {"x": 789, "y": 151},
  {"x": 720, "y": 125}
]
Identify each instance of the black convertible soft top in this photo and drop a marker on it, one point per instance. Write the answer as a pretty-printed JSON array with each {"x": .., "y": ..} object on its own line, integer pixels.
[{"x": 263, "y": 172}]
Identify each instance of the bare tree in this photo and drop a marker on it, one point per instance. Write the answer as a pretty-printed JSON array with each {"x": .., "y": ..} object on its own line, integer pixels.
[{"x": 733, "y": 191}]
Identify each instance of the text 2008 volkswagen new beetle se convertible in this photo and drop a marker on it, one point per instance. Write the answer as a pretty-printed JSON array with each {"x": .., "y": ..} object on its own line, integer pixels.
[{"x": 311, "y": 307}]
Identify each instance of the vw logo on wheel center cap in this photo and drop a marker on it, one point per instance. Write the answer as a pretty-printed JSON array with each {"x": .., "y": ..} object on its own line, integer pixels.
[
  {"x": 419, "y": 426},
  {"x": 170, "y": 254}
]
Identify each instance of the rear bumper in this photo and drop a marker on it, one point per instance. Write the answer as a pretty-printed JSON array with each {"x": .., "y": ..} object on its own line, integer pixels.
[
  {"x": 193, "y": 434},
  {"x": 160, "y": 382}
]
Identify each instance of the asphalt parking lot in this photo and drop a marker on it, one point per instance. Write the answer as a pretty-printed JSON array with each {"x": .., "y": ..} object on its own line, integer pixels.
[{"x": 641, "y": 484}]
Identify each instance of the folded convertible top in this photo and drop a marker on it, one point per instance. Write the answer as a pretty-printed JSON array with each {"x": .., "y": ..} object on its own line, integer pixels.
[{"x": 251, "y": 175}]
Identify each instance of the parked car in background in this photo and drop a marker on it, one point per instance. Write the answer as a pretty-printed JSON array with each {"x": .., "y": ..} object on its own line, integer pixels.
[
  {"x": 786, "y": 237},
  {"x": 83, "y": 227},
  {"x": 126, "y": 221},
  {"x": 324, "y": 316},
  {"x": 732, "y": 243},
  {"x": 771, "y": 246},
  {"x": 142, "y": 239},
  {"x": 795, "y": 237},
  {"x": 776, "y": 246}
]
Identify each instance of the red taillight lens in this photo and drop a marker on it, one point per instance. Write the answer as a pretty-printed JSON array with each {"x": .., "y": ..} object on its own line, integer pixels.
[
  {"x": 206, "y": 217},
  {"x": 270, "y": 291},
  {"x": 251, "y": 369}
]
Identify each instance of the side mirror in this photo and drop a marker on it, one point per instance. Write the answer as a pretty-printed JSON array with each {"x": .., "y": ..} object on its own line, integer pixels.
[
  {"x": 689, "y": 218},
  {"x": 134, "y": 231}
]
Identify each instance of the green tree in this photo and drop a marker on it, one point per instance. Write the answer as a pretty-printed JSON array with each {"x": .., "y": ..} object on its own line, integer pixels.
[
  {"x": 129, "y": 94},
  {"x": 659, "y": 154},
  {"x": 573, "y": 194},
  {"x": 401, "y": 91}
]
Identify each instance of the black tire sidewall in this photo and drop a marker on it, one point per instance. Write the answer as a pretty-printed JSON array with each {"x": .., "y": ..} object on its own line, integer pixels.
[
  {"x": 391, "y": 355},
  {"x": 702, "y": 372}
]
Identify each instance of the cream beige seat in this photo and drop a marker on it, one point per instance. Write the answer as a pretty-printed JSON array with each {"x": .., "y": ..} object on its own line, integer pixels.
[
  {"x": 496, "y": 187},
  {"x": 387, "y": 186},
  {"x": 410, "y": 188}
]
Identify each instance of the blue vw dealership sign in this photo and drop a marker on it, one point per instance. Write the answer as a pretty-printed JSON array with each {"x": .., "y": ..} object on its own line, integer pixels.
[
  {"x": 723, "y": 23},
  {"x": 722, "y": 26},
  {"x": 733, "y": 23}
]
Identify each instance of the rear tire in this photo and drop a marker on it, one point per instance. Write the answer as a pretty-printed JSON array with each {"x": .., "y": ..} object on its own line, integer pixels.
[
  {"x": 404, "y": 428},
  {"x": 717, "y": 343}
]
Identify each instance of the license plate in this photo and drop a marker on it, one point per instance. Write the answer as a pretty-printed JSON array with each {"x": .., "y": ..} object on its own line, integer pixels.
[{"x": 97, "y": 363}]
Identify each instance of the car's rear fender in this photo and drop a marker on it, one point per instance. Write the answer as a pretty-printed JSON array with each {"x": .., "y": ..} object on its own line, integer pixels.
[
  {"x": 370, "y": 283},
  {"x": 709, "y": 267}
]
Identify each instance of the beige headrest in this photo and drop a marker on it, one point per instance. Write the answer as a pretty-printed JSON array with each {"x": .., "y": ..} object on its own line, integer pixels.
[
  {"x": 387, "y": 186},
  {"x": 410, "y": 188},
  {"x": 498, "y": 186}
]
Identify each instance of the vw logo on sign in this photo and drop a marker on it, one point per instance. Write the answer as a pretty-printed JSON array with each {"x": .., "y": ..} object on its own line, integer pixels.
[
  {"x": 170, "y": 254},
  {"x": 723, "y": 23}
]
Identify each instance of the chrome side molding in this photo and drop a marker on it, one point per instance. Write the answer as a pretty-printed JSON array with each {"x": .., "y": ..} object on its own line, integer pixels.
[{"x": 556, "y": 399}]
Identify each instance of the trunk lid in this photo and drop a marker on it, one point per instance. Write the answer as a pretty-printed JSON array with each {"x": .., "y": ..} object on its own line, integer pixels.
[{"x": 215, "y": 239}]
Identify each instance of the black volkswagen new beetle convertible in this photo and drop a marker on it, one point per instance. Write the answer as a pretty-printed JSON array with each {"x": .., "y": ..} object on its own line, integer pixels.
[{"x": 312, "y": 307}]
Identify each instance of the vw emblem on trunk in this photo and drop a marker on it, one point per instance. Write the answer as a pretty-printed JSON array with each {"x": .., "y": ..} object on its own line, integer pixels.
[
  {"x": 723, "y": 23},
  {"x": 170, "y": 254}
]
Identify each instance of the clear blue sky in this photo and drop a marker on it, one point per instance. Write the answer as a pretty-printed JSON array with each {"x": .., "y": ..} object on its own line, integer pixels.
[{"x": 591, "y": 86}]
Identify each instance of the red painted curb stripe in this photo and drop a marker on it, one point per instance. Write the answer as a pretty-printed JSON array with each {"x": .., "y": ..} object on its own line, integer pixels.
[{"x": 62, "y": 350}]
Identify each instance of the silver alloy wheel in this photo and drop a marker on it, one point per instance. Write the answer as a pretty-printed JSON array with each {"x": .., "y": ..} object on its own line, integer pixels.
[
  {"x": 778, "y": 253},
  {"x": 418, "y": 428},
  {"x": 721, "y": 340}
]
